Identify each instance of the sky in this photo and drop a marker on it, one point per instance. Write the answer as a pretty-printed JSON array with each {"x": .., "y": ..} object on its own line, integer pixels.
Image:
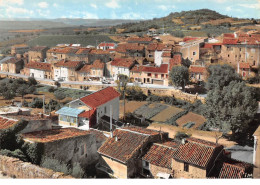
[{"x": 122, "y": 9}]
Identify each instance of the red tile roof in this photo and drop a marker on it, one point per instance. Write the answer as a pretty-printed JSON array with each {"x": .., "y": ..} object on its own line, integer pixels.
[
  {"x": 137, "y": 69},
  {"x": 87, "y": 114},
  {"x": 83, "y": 51},
  {"x": 101, "y": 97},
  {"x": 161, "y": 155},
  {"x": 142, "y": 130},
  {"x": 107, "y": 44},
  {"x": 228, "y": 35},
  {"x": 54, "y": 134},
  {"x": 155, "y": 46},
  {"x": 123, "y": 62},
  {"x": 69, "y": 64},
  {"x": 39, "y": 66},
  {"x": 210, "y": 45},
  {"x": 99, "y": 52},
  {"x": 243, "y": 65},
  {"x": 176, "y": 60},
  {"x": 197, "y": 69},
  {"x": 230, "y": 171},
  {"x": 127, "y": 145},
  {"x": 6, "y": 123},
  {"x": 230, "y": 41},
  {"x": 97, "y": 64},
  {"x": 197, "y": 152},
  {"x": 166, "y": 54},
  {"x": 65, "y": 50},
  {"x": 162, "y": 69},
  {"x": 187, "y": 39},
  {"x": 122, "y": 48}
]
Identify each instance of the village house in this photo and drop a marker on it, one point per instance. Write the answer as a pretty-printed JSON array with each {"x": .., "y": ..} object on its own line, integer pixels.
[
  {"x": 134, "y": 50},
  {"x": 61, "y": 53},
  {"x": 37, "y": 54},
  {"x": 87, "y": 111},
  {"x": 107, "y": 46},
  {"x": 12, "y": 65},
  {"x": 154, "y": 52},
  {"x": 240, "y": 48},
  {"x": 166, "y": 56},
  {"x": 190, "y": 48},
  {"x": 120, "y": 66},
  {"x": 82, "y": 54},
  {"x": 256, "y": 154},
  {"x": 150, "y": 74},
  {"x": 93, "y": 71},
  {"x": 197, "y": 73},
  {"x": 157, "y": 162},
  {"x": 152, "y": 32},
  {"x": 121, "y": 153},
  {"x": 210, "y": 53},
  {"x": 38, "y": 70},
  {"x": 66, "y": 70},
  {"x": 69, "y": 145},
  {"x": 19, "y": 49}
]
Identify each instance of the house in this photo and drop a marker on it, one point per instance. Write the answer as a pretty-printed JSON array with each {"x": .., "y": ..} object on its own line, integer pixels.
[
  {"x": 107, "y": 46},
  {"x": 240, "y": 48},
  {"x": 256, "y": 155},
  {"x": 150, "y": 74},
  {"x": 157, "y": 162},
  {"x": 19, "y": 49},
  {"x": 93, "y": 71},
  {"x": 190, "y": 48},
  {"x": 12, "y": 65},
  {"x": 176, "y": 60},
  {"x": 67, "y": 70},
  {"x": 152, "y": 32},
  {"x": 197, "y": 73},
  {"x": 61, "y": 53},
  {"x": 120, "y": 66},
  {"x": 37, "y": 54},
  {"x": 88, "y": 110},
  {"x": 99, "y": 54},
  {"x": 121, "y": 153},
  {"x": 38, "y": 70},
  {"x": 134, "y": 50},
  {"x": 69, "y": 145},
  {"x": 195, "y": 158},
  {"x": 154, "y": 52},
  {"x": 210, "y": 53}
]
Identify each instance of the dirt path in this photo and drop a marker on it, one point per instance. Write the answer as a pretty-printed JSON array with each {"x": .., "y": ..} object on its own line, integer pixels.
[{"x": 206, "y": 135}]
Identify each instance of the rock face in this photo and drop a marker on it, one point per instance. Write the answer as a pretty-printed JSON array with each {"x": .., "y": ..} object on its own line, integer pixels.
[{"x": 15, "y": 168}]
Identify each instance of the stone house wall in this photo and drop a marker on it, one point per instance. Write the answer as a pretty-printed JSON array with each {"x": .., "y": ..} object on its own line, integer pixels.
[{"x": 16, "y": 168}]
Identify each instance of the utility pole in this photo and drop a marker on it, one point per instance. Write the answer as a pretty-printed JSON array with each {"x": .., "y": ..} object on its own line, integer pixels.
[{"x": 43, "y": 104}]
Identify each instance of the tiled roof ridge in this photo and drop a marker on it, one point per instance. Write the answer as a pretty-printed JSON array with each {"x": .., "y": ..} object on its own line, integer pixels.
[
  {"x": 197, "y": 141},
  {"x": 160, "y": 144},
  {"x": 123, "y": 129},
  {"x": 11, "y": 119}
]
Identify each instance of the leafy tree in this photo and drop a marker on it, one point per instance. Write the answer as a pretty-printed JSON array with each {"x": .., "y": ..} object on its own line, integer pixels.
[
  {"x": 57, "y": 83},
  {"x": 23, "y": 90},
  {"x": 179, "y": 76},
  {"x": 135, "y": 92},
  {"x": 220, "y": 76},
  {"x": 59, "y": 95},
  {"x": 232, "y": 108},
  {"x": 8, "y": 94},
  {"x": 186, "y": 62},
  {"x": 32, "y": 81}
]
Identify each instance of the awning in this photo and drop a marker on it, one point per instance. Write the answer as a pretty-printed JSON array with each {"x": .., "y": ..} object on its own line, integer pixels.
[{"x": 67, "y": 111}]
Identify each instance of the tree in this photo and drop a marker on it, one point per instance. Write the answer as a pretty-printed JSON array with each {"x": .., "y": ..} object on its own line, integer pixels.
[
  {"x": 122, "y": 85},
  {"x": 179, "y": 76},
  {"x": 232, "y": 108},
  {"x": 59, "y": 95},
  {"x": 186, "y": 62},
  {"x": 23, "y": 90},
  {"x": 220, "y": 76},
  {"x": 32, "y": 81}
]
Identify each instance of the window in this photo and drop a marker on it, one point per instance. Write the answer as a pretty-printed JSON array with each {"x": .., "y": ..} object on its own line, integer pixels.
[
  {"x": 194, "y": 53},
  {"x": 240, "y": 49},
  {"x": 186, "y": 167},
  {"x": 149, "y": 74},
  {"x": 162, "y": 75},
  {"x": 82, "y": 150},
  {"x": 105, "y": 110},
  {"x": 156, "y": 75},
  {"x": 227, "y": 55}
]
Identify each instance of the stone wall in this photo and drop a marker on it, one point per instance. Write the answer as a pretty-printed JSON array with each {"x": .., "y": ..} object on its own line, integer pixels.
[
  {"x": 157, "y": 169},
  {"x": 15, "y": 168}
]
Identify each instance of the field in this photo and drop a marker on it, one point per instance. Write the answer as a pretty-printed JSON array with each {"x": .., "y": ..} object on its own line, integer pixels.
[
  {"x": 166, "y": 114},
  {"x": 206, "y": 135},
  {"x": 191, "y": 117},
  {"x": 53, "y": 40},
  {"x": 150, "y": 110},
  {"x": 131, "y": 106},
  {"x": 25, "y": 31}
]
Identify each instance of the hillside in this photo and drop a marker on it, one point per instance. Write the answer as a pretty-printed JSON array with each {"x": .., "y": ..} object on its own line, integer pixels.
[{"x": 194, "y": 22}]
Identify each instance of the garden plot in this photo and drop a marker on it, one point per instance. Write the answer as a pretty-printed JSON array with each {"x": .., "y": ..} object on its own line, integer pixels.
[
  {"x": 191, "y": 120},
  {"x": 150, "y": 110},
  {"x": 166, "y": 114},
  {"x": 130, "y": 106}
]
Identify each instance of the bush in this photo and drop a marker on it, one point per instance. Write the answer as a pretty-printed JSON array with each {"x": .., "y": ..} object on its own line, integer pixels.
[
  {"x": 51, "y": 89},
  {"x": 16, "y": 153},
  {"x": 36, "y": 103},
  {"x": 55, "y": 165},
  {"x": 32, "y": 81},
  {"x": 77, "y": 171}
]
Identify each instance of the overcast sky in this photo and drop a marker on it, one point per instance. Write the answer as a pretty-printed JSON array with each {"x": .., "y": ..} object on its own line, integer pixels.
[{"x": 122, "y": 9}]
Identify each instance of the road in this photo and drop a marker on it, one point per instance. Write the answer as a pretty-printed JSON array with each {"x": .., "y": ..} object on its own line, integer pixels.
[{"x": 48, "y": 81}]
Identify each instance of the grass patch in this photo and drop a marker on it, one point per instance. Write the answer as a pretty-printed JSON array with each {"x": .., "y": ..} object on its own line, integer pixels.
[{"x": 53, "y": 40}]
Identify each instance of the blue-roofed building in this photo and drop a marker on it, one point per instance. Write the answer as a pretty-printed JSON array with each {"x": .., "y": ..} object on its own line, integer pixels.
[{"x": 69, "y": 116}]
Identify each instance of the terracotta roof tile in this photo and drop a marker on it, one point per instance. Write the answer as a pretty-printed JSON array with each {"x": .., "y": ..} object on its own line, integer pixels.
[
  {"x": 69, "y": 64},
  {"x": 229, "y": 171},
  {"x": 126, "y": 146},
  {"x": 54, "y": 134},
  {"x": 123, "y": 62},
  {"x": 99, "y": 52},
  {"x": 142, "y": 130},
  {"x": 197, "y": 69},
  {"x": 6, "y": 123},
  {"x": 107, "y": 44},
  {"x": 228, "y": 35},
  {"x": 97, "y": 64},
  {"x": 230, "y": 41},
  {"x": 176, "y": 60},
  {"x": 65, "y": 50},
  {"x": 161, "y": 154},
  {"x": 243, "y": 65},
  {"x": 167, "y": 54},
  {"x": 155, "y": 46},
  {"x": 162, "y": 69},
  {"x": 137, "y": 69},
  {"x": 87, "y": 114},
  {"x": 100, "y": 97},
  {"x": 39, "y": 66},
  {"x": 197, "y": 152},
  {"x": 83, "y": 51}
]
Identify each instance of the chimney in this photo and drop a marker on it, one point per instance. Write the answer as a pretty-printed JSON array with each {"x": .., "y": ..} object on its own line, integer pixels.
[
  {"x": 183, "y": 141},
  {"x": 116, "y": 138}
]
